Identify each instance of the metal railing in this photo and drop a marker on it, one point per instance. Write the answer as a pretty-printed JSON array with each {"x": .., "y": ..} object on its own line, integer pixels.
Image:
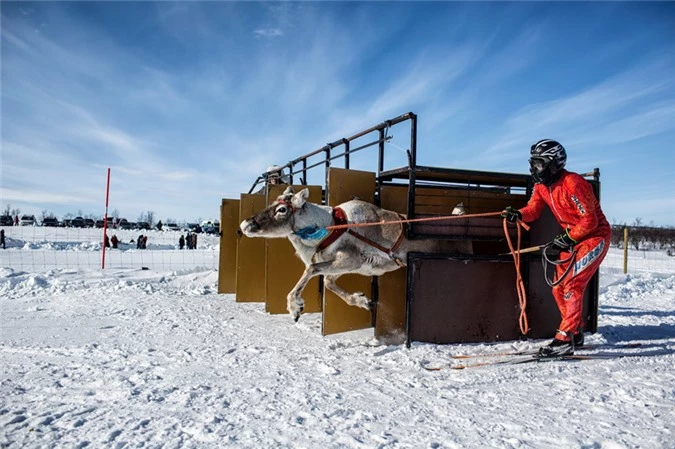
[{"x": 341, "y": 149}]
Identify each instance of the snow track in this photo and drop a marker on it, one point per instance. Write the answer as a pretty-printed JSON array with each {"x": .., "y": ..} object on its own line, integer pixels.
[{"x": 140, "y": 358}]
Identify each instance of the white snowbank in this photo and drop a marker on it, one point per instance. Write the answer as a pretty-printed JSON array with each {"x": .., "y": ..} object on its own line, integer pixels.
[{"x": 151, "y": 358}]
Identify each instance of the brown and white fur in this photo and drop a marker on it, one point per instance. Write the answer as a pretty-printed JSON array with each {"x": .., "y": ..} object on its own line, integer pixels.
[{"x": 291, "y": 212}]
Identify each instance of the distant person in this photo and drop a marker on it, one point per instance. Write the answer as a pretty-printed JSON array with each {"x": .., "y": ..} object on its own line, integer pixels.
[
  {"x": 274, "y": 175},
  {"x": 159, "y": 225},
  {"x": 114, "y": 241},
  {"x": 2, "y": 238},
  {"x": 145, "y": 242},
  {"x": 139, "y": 242},
  {"x": 582, "y": 245},
  {"x": 106, "y": 240},
  {"x": 181, "y": 242},
  {"x": 194, "y": 241},
  {"x": 16, "y": 220}
]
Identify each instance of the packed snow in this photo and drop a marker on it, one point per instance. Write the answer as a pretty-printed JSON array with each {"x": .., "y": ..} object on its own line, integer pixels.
[{"x": 132, "y": 357}]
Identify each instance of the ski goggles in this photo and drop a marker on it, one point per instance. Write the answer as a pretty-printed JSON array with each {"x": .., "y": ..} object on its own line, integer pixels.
[{"x": 538, "y": 164}]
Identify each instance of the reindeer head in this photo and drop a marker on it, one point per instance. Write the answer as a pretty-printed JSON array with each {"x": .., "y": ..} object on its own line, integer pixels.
[{"x": 277, "y": 219}]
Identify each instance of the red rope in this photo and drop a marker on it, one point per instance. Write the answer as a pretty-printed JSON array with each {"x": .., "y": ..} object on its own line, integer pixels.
[
  {"x": 520, "y": 285},
  {"x": 411, "y": 220}
]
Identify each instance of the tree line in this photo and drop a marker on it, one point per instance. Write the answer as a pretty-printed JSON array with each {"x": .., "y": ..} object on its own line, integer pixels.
[{"x": 645, "y": 237}]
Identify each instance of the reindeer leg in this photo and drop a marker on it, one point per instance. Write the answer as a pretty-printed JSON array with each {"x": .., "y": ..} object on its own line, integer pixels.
[
  {"x": 332, "y": 269},
  {"x": 295, "y": 303},
  {"x": 342, "y": 264},
  {"x": 353, "y": 299}
]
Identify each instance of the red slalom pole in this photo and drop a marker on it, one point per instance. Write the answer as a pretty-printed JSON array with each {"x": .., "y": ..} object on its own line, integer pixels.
[{"x": 105, "y": 218}]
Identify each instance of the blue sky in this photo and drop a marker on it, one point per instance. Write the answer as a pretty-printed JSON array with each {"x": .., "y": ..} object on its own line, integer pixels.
[{"x": 188, "y": 102}]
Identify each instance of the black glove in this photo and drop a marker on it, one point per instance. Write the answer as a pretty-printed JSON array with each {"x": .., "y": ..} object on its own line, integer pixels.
[
  {"x": 563, "y": 242},
  {"x": 512, "y": 214}
]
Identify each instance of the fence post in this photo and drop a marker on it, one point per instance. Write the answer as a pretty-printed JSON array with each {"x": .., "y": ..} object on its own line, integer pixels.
[{"x": 625, "y": 250}]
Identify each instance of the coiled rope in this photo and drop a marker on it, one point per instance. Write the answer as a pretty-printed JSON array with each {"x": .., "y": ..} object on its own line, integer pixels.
[{"x": 520, "y": 285}]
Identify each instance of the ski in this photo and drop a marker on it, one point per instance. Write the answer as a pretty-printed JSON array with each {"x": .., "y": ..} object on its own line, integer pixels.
[
  {"x": 515, "y": 358},
  {"x": 535, "y": 351},
  {"x": 535, "y": 359},
  {"x": 527, "y": 359}
]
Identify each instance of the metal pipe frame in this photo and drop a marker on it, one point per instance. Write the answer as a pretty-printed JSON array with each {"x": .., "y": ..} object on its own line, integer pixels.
[{"x": 329, "y": 154}]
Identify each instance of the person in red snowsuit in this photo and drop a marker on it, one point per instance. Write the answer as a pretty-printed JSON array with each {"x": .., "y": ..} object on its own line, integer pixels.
[{"x": 586, "y": 235}]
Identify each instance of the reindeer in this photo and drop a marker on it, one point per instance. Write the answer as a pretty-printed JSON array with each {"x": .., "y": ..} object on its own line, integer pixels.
[{"x": 369, "y": 251}]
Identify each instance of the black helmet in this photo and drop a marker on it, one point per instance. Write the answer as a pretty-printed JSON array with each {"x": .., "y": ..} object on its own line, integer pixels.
[{"x": 547, "y": 159}]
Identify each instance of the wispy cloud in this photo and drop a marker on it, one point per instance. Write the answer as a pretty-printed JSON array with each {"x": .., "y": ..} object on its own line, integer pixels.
[
  {"x": 190, "y": 102},
  {"x": 598, "y": 114},
  {"x": 268, "y": 33}
]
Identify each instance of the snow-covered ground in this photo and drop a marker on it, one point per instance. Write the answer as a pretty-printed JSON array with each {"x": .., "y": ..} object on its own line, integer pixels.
[{"x": 126, "y": 357}]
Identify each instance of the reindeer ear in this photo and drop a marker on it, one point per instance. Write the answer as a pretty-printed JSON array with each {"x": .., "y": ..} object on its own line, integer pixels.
[
  {"x": 300, "y": 198},
  {"x": 288, "y": 191}
]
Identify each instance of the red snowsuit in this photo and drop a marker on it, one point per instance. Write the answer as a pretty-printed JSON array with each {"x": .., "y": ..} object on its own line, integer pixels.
[{"x": 574, "y": 205}]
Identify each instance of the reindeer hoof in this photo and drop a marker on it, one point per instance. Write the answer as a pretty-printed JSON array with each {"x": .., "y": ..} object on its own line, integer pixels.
[
  {"x": 360, "y": 300},
  {"x": 296, "y": 312}
]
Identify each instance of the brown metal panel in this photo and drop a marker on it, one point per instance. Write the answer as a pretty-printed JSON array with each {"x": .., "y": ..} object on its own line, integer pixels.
[
  {"x": 477, "y": 300},
  {"x": 338, "y": 316},
  {"x": 284, "y": 268},
  {"x": 437, "y": 202},
  {"x": 250, "y": 285},
  {"x": 227, "y": 258},
  {"x": 391, "y": 310},
  {"x": 454, "y": 300}
]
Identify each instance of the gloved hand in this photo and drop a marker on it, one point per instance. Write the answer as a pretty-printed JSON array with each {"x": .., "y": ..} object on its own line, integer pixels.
[
  {"x": 512, "y": 214},
  {"x": 563, "y": 242}
]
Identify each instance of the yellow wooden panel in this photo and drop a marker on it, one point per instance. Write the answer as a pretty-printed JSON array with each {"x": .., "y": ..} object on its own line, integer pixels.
[
  {"x": 284, "y": 268},
  {"x": 391, "y": 308},
  {"x": 345, "y": 185},
  {"x": 227, "y": 261},
  {"x": 338, "y": 316},
  {"x": 250, "y": 284},
  {"x": 394, "y": 198}
]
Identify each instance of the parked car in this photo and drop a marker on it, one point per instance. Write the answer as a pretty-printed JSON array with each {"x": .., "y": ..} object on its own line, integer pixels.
[
  {"x": 66, "y": 223},
  {"x": 27, "y": 220},
  {"x": 50, "y": 222},
  {"x": 124, "y": 224},
  {"x": 211, "y": 227},
  {"x": 194, "y": 227},
  {"x": 6, "y": 220},
  {"x": 171, "y": 227},
  {"x": 77, "y": 222},
  {"x": 89, "y": 223},
  {"x": 143, "y": 225},
  {"x": 99, "y": 223}
]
